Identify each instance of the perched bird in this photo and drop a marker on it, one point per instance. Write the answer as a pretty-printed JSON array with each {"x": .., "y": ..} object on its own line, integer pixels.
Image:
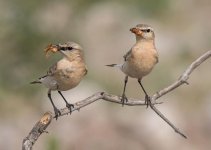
[
  {"x": 140, "y": 59},
  {"x": 66, "y": 73}
]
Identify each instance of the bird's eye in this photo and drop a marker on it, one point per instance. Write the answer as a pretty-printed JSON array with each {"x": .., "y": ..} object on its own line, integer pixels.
[
  {"x": 69, "y": 48},
  {"x": 148, "y": 30}
]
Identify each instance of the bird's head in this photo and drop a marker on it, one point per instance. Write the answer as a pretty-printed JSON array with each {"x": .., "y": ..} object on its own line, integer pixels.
[
  {"x": 69, "y": 48},
  {"x": 143, "y": 31}
]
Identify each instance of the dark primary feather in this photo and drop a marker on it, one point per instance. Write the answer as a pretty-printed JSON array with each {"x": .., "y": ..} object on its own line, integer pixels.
[
  {"x": 52, "y": 69},
  {"x": 86, "y": 71},
  {"x": 127, "y": 55}
]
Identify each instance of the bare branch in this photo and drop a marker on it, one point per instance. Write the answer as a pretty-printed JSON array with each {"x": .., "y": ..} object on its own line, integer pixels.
[
  {"x": 43, "y": 123},
  {"x": 36, "y": 131},
  {"x": 167, "y": 121},
  {"x": 184, "y": 77}
]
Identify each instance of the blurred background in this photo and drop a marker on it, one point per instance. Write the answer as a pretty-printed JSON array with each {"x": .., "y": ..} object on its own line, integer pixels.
[{"x": 183, "y": 33}]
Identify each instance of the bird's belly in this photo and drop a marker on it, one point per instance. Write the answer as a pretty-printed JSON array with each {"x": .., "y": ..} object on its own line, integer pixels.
[
  {"x": 138, "y": 69},
  {"x": 70, "y": 77},
  {"x": 67, "y": 83}
]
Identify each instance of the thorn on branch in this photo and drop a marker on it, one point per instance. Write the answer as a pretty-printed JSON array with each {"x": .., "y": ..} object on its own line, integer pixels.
[
  {"x": 184, "y": 77},
  {"x": 45, "y": 131},
  {"x": 158, "y": 103},
  {"x": 186, "y": 82},
  {"x": 102, "y": 93}
]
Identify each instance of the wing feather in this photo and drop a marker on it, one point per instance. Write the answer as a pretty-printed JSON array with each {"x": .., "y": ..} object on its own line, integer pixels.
[{"x": 127, "y": 55}]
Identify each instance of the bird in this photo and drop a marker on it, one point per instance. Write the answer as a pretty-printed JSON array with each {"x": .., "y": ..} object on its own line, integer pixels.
[
  {"x": 140, "y": 59},
  {"x": 64, "y": 74}
]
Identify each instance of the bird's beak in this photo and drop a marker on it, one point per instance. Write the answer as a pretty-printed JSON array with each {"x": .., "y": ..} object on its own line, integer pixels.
[
  {"x": 61, "y": 51},
  {"x": 61, "y": 48},
  {"x": 136, "y": 31}
]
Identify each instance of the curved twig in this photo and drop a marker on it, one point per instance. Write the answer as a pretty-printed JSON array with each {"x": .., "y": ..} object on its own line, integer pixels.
[{"x": 41, "y": 125}]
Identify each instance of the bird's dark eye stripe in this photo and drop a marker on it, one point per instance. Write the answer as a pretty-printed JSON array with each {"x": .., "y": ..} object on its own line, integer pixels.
[
  {"x": 146, "y": 30},
  {"x": 66, "y": 48},
  {"x": 69, "y": 48}
]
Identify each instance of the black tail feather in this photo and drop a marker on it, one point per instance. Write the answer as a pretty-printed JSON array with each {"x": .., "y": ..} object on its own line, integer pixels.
[
  {"x": 35, "y": 82},
  {"x": 111, "y": 65}
]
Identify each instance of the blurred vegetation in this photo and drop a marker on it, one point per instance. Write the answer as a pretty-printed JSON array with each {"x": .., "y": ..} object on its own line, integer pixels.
[
  {"x": 52, "y": 144},
  {"x": 22, "y": 42}
]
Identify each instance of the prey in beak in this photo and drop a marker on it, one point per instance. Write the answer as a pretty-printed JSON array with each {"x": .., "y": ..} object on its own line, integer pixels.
[
  {"x": 136, "y": 31},
  {"x": 51, "y": 48}
]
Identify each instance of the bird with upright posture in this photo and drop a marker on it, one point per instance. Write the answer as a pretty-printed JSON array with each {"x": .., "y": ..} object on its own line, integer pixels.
[
  {"x": 66, "y": 73},
  {"x": 140, "y": 59}
]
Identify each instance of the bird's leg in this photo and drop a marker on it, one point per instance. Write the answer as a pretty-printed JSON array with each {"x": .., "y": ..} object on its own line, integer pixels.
[
  {"x": 147, "y": 98},
  {"x": 56, "y": 110},
  {"x": 68, "y": 105},
  {"x": 124, "y": 98}
]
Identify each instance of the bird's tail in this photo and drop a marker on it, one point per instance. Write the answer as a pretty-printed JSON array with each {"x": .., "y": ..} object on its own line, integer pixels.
[
  {"x": 115, "y": 65},
  {"x": 35, "y": 82},
  {"x": 38, "y": 80}
]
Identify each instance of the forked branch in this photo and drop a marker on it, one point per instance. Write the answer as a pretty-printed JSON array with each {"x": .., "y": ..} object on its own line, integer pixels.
[{"x": 43, "y": 123}]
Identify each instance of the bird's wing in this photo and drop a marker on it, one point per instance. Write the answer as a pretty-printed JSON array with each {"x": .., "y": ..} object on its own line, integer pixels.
[
  {"x": 85, "y": 70},
  {"x": 156, "y": 57},
  {"x": 157, "y": 60},
  {"x": 52, "y": 70},
  {"x": 127, "y": 55}
]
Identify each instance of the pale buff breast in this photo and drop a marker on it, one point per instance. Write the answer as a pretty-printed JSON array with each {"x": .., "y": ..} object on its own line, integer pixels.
[
  {"x": 140, "y": 63},
  {"x": 70, "y": 74}
]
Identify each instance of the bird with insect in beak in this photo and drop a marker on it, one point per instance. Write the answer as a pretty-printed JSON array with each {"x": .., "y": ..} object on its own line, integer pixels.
[
  {"x": 64, "y": 74},
  {"x": 140, "y": 59}
]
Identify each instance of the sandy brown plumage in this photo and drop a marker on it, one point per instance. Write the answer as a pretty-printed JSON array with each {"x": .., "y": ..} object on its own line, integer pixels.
[
  {"x": 141, "y": 58},
  {"x": 66, "y": 73}
]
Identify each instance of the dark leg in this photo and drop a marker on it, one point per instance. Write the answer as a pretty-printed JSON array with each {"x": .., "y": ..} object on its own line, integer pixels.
[
  {"x": 124, "y": 98},
  {"x": 56, "y": 110},
  {"x": 68, "y": 105},
  {"x": 147, "y": 98}
]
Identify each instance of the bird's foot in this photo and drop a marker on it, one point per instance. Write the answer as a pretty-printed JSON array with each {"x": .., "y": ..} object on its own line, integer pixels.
[
  {"x": 124, "y": 99},
  {"x": 57, "y": 112},
  {"x": 148, "y": 100},
  {"x": 70, "y": 106}
]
